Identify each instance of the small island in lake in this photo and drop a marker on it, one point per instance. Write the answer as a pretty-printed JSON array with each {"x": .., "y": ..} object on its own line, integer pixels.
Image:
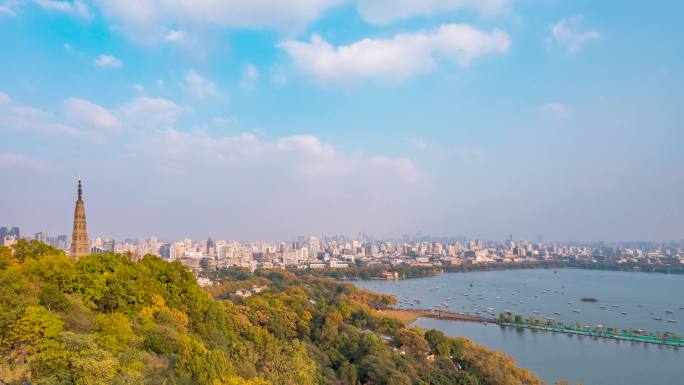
[{"x": 588, "y": 299}]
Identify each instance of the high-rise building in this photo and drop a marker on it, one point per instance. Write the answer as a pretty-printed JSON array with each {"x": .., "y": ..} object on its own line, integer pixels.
[
  {"x": 62, "y": 242},
  {"x": 41, "y": 236},
  {"x": 9, "y": 231},
  {"x": 109, "y": 245},
  {"x": 79, "y": 237},
  {"x": 211, "y": 246},
  {"x": 313, "y": 247},
  {"x": 165, "y": 251},
  {"x": 8, "y": 240}
]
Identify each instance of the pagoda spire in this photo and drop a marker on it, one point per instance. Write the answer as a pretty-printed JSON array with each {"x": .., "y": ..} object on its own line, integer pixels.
[{"x": 80, "y": 245}]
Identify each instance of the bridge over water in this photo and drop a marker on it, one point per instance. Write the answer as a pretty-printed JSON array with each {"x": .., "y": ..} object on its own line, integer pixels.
[{"x": 634, "y": 337}]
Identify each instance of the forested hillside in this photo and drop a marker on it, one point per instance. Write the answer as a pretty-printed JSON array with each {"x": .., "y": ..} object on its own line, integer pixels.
[{"x": 108, "y": 320}]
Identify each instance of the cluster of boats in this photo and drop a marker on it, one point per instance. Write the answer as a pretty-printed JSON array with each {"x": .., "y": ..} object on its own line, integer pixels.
[{"x": 474, "y": 297}]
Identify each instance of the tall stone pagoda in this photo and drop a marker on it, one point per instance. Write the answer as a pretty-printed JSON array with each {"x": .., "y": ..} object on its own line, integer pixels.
[{"x": 80, "y": 246}]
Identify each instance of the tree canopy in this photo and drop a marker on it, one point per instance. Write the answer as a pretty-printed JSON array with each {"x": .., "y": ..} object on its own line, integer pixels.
[{"x": 105, "y": 319}]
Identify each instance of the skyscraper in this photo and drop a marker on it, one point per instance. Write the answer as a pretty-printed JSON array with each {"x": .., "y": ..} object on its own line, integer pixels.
[
  {"x": 79, "y": 238},
  {"x": 13, "y": 231}
]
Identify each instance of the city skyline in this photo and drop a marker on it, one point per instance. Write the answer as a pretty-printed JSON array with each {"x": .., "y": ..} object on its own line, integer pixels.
[
  {"x": 44, "y": 235},
  {"x": 455, "y": 117}
]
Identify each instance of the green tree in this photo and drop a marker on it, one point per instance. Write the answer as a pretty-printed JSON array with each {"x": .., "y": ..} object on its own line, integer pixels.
[{"x": 33, "y": 249}]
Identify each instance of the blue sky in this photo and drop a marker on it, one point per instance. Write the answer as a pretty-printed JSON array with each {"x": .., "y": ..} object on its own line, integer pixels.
[{"x": 271, "y": 119}]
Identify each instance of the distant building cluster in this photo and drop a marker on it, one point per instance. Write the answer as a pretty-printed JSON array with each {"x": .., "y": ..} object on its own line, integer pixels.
[{"x": 334, "y": 252}]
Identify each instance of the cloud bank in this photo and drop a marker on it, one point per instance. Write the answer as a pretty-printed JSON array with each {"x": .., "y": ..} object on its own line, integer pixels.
[
  {"x": 388, "y": 11},
  {"x": 396, "y": 58}
]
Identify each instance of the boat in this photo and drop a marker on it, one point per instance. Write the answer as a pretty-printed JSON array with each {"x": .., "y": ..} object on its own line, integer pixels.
[
  {"x": 672, "y": 320},
  {"x": 535, "y": 312},
  {"x": 668, "y": 311},
  {"x": 576, "y": 311},
  {"x": 615, "y": 306},
  {"x": 602, "y": 307},
  {"x": 556, "y": 313},
  {"x": 657, "y": 318},
  {"x": 623, "y": 313}
]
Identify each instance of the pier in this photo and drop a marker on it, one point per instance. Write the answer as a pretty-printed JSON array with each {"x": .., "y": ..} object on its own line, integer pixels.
[{"x": 620, "y": 336}]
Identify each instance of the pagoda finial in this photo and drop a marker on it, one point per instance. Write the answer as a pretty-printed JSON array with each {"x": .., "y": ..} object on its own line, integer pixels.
[{"x": 80, "y": 188}]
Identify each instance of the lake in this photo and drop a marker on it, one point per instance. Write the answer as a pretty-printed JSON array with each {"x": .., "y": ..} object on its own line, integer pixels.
[{"x": 548, "y": 293}]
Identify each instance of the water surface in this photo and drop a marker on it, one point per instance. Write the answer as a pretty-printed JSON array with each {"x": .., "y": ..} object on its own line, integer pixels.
[
  {"x": 577, "y": 359},
  {"x": 625, "y": 300},
  {"x": 547, "y": 293}
]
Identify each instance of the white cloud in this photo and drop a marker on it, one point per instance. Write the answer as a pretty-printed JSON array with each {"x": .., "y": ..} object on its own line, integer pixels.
[
  {"x": 249, "y": 77},
  {"x": 144, "y": 19},
  {"x": 150, "y": 112},
  {"x": 18, "y": 160},
  {"x": 9, "y": 7},
  {"x": 177, "y": 36},
  {"x": 291, "y": 182},
  {"x": 87, "y": 114},
  {"x": 86, "y": 120},
  {"x": 18, "y": 117},
  {"x": 557, "y": 110},
  {"x": 396, "y": 58},
  {"x": 303, "y": 157},
  {"x": 387, "y": 11},
  {"x": 109, "y": 61},
  {"x": 568, "y": 34},
  {"x": 75, "y": 7},
  {"x": 200, "y": 87},
  {"x": 138, "y": 88},
  {"x": 160, "y": 83}
]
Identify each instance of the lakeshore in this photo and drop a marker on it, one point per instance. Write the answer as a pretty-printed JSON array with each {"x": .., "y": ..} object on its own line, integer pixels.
[{"x": 567, "y": 352}]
